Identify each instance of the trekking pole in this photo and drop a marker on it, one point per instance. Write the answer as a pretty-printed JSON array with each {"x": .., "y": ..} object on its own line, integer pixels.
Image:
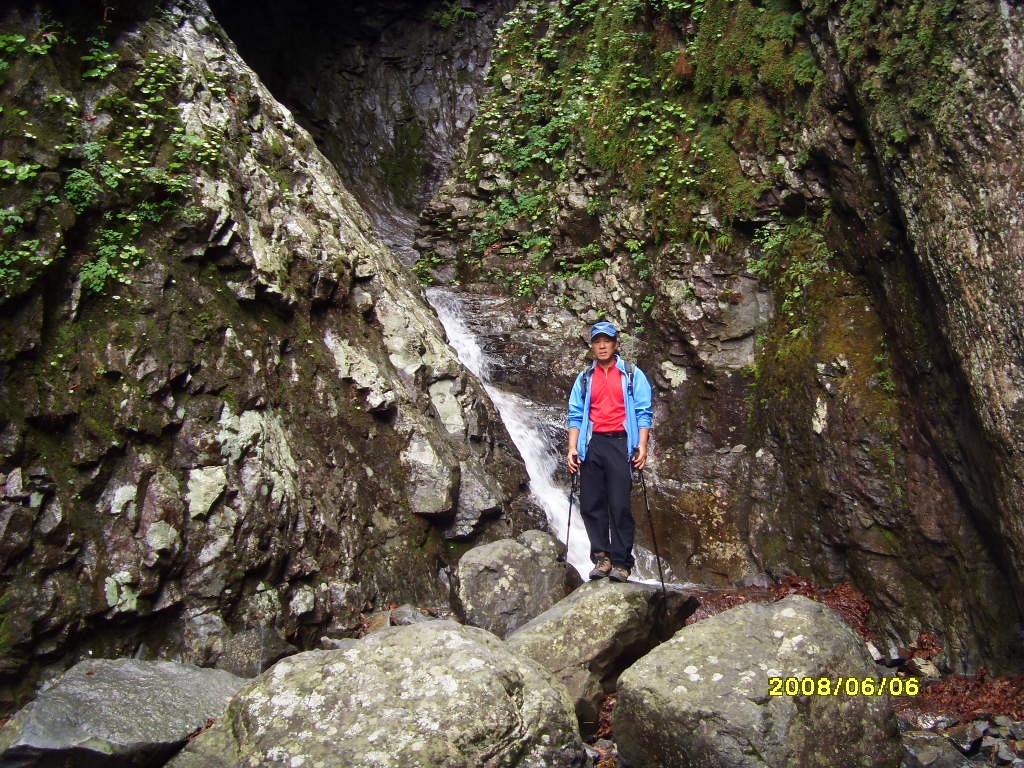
[
  {"x": 654, "y": 540},
  {"x": 568, "y": 517}
]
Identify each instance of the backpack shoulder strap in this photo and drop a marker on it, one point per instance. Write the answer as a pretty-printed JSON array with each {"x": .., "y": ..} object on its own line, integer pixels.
[{"x": 585, "y": 375}]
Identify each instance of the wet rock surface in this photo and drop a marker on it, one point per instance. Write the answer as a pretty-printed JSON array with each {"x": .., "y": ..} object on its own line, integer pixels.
[
  {"x": 824, "y": 430},
  {"x": 964, "y": 243},
  {"x": 259, "y": 436},
  {"x": 263, "y": 435},
  {"x": 116, "y": 712},
  {"x": 387, "y": 89}
]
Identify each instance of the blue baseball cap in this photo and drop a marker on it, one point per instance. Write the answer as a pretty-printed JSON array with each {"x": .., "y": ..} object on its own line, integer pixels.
[{"x": 603, "y": 327}]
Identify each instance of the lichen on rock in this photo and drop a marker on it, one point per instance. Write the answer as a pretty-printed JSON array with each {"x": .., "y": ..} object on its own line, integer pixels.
[
  {"x": 234, "y": 398},
  {"x": 426, "y": 694}
]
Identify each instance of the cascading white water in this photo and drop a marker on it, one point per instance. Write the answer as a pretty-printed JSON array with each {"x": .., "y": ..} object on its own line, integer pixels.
[
  {"x": 526, "y": 424},
  {"x": 529, "y": 426}
]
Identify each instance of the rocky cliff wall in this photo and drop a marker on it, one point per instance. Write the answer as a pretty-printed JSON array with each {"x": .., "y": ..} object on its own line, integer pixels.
[
  {"x": 228, "y": 420},
  {"x": 937, "y": 89},
  {"x": 722, "y": 179},
  {"x": 387, "y": 89}
]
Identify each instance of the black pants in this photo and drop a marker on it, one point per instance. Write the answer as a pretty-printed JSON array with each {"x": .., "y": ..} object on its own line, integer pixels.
[{"x": 606, "y": 480}]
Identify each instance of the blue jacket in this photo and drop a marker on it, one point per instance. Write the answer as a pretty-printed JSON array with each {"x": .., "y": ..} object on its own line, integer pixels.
[{"x": 638, "y": 408}]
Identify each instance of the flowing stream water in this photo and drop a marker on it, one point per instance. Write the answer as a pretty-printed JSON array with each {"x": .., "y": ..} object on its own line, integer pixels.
[{"x": 533, "y": 428}]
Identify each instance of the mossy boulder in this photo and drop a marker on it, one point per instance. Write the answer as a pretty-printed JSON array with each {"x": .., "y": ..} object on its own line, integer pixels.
[
  {"x": 422, "y": 695},
  {"x": 708, "y": 696}
]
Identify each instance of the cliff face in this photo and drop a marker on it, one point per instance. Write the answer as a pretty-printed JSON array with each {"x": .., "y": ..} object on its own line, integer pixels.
[
  {"x": 938, "y": 90},
  {"x": 387, "y": 89},
  {"x": 815, "y": 259},
  {"x": 228, "y": 420}
]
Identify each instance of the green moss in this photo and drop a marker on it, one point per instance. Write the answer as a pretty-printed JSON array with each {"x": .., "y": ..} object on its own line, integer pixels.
[
  {"x": 131, "y": 174},
  {"x": 906, "y": 54},
  {"x": 403, "y": 165},
  {"x": 737, "y": 195},
  {"x": 6, "y": 634},
  {"x": 773, "y": 548},
  {"x": 658, "y": 95}
]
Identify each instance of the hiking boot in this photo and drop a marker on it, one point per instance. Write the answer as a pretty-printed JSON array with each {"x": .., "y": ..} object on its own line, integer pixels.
[
  {"x": 619, "y": 574},
  {"x": 602, "y": 566}
]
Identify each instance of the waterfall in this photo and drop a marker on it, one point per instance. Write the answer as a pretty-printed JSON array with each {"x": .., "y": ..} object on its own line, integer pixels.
[{"x": 533, "y": 428}]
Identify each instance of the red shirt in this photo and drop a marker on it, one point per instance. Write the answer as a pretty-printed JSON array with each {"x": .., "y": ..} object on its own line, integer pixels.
[{"x": 607, "y": 406}]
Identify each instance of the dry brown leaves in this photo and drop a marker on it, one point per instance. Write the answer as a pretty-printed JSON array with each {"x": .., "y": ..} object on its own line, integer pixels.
[
  {"x": 843, "y": 599},
  {"x": 604, "y": 717},
  {"x": 714, "y": 602},
  {"x": 927, "y": 646},
  {"x": 967, "y": 698},
  {"x": 607, "y": 758}
]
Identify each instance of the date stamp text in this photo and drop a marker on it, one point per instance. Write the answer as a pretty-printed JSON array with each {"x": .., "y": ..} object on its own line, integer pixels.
[{"x": 843, "y": 686}]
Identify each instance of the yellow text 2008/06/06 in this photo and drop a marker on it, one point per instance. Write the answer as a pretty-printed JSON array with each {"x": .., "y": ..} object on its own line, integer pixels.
[{"x": 843, "y": 686}]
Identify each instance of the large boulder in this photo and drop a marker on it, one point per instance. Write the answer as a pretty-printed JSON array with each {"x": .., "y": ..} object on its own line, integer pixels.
[
  {"x": 703, "y": 697},
  {"x": 504, "y": 584},
  {"x": 115, "y": 712},
  {"x": 266, "y": 392},
  {"x": 586, "y": 640},
  {"x": 428, "y": 694}
]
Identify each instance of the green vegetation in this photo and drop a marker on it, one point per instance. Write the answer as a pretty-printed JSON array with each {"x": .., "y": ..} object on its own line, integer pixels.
[
  {"x": 425, "y": 266},
  {"x": 100, "y": 60},
  {"x": 106, "y": 179},
  {"x": 452, "y": 14},
  {"x": 793, "y": 255},
  {"x": 24, "y": 172},
  {"x": 81, "y": 189},
  {"x": 6, "y": 641},
  {"x": 656, "y": 93},
  {"x": 906, "y": 59}
]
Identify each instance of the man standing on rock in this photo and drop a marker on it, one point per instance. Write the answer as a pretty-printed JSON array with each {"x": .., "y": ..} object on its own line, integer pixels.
[{"x": 609, "y": 427}]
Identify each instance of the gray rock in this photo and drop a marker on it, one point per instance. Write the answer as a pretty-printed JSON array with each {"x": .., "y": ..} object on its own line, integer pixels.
[
  {"x": 251, "y": 651},
  {"x": 479, "y": 498},
  {"x": 203, "y": 479},
  {"x": 504, "y": 584},
  {"x": 702, "y": 698},
  {"x": 1005, "y": 755},
  {"x": 430, "y": 694},
  {"x": 587, "y": 639},
  {"x": 137, "y": 712},
  {"x": 966, "y": 736},
  {"x": 923, "y": 668},
  {"x": 407, "y": 614},
  {"x": 925, "y": 749},
  {"x": 401, "y": 616}
]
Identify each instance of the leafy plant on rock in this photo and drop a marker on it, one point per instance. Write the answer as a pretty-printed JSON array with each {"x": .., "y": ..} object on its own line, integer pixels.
[{"x": 125, "y": 175}]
